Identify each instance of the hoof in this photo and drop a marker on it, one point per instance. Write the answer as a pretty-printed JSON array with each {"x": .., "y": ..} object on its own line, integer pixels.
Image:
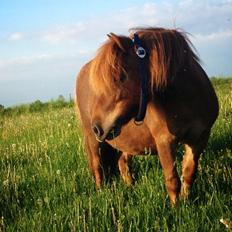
[
  {"x": 174, "y": 203},
  {"x": 128, "y": 180},
  {"x": 185, "y": 191}
]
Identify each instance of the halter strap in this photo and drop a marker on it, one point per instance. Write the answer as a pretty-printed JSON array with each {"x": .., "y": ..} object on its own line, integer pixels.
[{"x": 142, "y": 54}]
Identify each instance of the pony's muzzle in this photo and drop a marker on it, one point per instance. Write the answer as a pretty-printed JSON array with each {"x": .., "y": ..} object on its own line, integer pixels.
[{"x": 101, "y": 135}]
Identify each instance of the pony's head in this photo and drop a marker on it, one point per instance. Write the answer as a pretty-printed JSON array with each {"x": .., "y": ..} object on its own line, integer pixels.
[
  {"x": 115, "y": 84},
  {"x": 115, "y": 75}
]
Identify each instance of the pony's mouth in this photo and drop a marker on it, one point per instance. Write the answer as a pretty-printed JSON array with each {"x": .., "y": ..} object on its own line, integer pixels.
[{"x": 113, "y": 133}]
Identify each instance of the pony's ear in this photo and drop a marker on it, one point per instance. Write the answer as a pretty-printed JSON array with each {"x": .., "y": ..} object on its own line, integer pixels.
[{"x": 120, "y": 41}]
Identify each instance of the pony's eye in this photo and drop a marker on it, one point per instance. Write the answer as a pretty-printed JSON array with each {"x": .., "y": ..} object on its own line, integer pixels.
[{"x": 122, "y": 78}]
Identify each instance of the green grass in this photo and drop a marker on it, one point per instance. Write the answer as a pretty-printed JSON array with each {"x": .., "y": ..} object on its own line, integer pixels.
[{"x": 45, "y": 184}]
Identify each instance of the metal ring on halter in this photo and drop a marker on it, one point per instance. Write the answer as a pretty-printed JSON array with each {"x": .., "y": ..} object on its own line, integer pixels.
[
  {"x": 138, "y": 123},
  {"x": 141, "y": 52}
]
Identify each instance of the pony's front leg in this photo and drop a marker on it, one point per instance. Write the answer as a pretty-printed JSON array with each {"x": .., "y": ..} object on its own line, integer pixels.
[
  {"x": 124, "y": 169},
  {"x": 93, "y": 149},
  {"x": 166, "y": 152}
]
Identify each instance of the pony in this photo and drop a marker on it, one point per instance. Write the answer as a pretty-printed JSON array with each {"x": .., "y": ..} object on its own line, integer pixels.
[{"x": 146, "y": 91}]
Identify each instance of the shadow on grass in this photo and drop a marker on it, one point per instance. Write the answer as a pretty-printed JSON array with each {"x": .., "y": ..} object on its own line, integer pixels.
[
  {"x": 214, "y": 175},
  {"x": 219, "y": 143},
  {"x": 15, "y": 201}
]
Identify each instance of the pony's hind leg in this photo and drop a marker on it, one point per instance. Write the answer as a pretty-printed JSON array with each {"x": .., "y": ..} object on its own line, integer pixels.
[
  {"x": 190, "y": 163},
  {"x": 123, "y": 161}
]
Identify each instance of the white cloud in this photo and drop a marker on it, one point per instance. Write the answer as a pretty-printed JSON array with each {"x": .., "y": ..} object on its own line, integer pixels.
[
  {"x": 200, "y": 18},
  {"x": 24, "y": 60},
  {"x": 214, "y": 36},
  {"x": 95, "y": 29},
  {"x": 63, "y": 33},
  {"x": 43, "y": 65},
  {"x": 15, "y": 36}
]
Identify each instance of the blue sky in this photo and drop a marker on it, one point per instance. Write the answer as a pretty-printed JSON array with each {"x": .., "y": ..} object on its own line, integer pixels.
[{"x": 44, "y": 43}]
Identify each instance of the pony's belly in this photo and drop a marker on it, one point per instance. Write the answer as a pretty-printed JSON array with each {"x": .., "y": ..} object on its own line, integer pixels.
[{"x": 134, "y": 140}]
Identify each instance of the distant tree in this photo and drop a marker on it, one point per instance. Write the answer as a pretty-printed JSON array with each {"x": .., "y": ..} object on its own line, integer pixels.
[
  {"x": 36, "y": 106},
  {"x": 59, "y": 102},
  {"x": 2, "y": 109},
  {"x": 61, "y": 98}
]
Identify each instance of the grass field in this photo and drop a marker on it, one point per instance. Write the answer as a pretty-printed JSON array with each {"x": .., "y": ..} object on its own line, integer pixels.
[{"x": 45, "y": 184}]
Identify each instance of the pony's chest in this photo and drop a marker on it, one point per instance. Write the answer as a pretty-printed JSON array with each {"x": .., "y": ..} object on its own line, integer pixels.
[{"x": 134, "y": 140}]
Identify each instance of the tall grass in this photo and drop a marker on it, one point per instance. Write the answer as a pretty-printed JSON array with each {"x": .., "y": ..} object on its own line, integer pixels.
[{"x": 45, "y": 184}]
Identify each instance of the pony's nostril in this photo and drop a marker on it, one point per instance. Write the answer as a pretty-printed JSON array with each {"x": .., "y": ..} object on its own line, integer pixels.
[{"x": 97, "y": 130}]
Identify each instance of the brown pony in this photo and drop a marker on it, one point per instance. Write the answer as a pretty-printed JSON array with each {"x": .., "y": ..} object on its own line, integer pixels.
[{"x": 156, "y": 73}]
